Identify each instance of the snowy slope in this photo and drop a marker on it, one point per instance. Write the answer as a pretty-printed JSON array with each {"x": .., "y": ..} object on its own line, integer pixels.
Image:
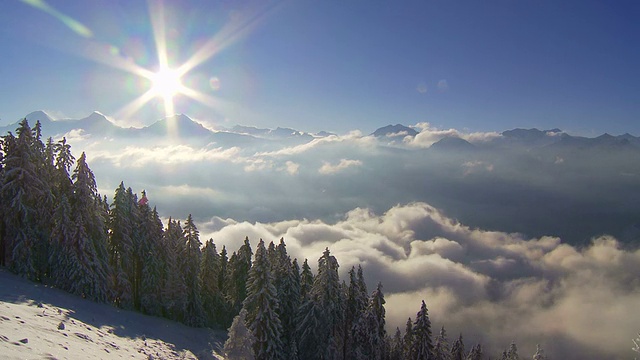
[{"x": 31, "y": 314}]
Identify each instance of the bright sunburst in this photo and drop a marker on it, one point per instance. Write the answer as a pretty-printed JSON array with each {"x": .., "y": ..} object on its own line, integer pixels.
[{"x": 166, "y": 83}]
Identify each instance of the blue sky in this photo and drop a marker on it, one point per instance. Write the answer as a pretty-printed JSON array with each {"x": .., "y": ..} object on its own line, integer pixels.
[{"x": 337, "y": 66}]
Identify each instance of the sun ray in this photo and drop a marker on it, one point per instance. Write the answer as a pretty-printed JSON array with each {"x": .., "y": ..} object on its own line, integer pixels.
[
  {"x": 229, "y": 34},
  {"x": 131, "y": 108},
  {"x": 156, "y": 13}
]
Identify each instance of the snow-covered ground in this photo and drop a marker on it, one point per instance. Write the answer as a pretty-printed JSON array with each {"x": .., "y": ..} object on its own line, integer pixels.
[{"x": 40, "y": 322}]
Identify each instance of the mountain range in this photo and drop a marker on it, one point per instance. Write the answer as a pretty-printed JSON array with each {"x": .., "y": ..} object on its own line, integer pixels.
[{"x": 189, "y": 130}]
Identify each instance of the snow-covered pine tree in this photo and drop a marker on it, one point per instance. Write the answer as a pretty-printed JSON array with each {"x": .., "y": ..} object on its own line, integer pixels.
[
  {"x": 475, "y": 353},
  {"x": 422, "y": 343},
  {"x": 239, "y": 345},
  {"x": 27, "y": 203},
  {"x": 190, "y": 265},
  {"x": 212, "y": 300},
  {"x": 512, "y": 353},
  {"x": 407, "y": 340},
  {"x": 120, "y": 247},
  {"x": 153, "y": 260},
  {"x": 306, "y": 281},
  {"x": 61, "y": 236},
  {"x": 324, "y": 310},
  {"x": 261, "y": 305},
  {"x": 174, "y": 289},
  {"x": 396, "y": 346},
  {"x": 441, "y": 350},
  {"x": 89, "y": 271},
  {"x": 357, "y": 302},
  {"x": 237, "y": 273},
  {"x": 287, "y": 283},
  {"x": 369, "y": 334},
  {"x": 457, "y": 349},
  {"x": 539, "y": 355}
]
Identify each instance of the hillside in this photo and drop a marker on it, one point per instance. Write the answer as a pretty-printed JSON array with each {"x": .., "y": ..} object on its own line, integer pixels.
[{"x": 31, "y": 314}]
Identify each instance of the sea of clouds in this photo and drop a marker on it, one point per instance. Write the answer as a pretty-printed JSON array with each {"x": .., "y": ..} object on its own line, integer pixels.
[{"x": 504, "y": 244}]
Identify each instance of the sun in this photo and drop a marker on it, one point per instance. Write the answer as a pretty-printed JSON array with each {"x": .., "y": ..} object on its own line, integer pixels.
[{"x": 166, "y": 83}]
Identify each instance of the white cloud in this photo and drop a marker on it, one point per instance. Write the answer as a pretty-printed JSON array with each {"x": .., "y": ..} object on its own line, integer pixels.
[
  {"x": 291, "y": 168},
  {"x": 494, "y": 287},
  {"x": 429, "y": 135},
  {"x": 137, "y": 156},
  {"x": 328, "y": 168}
]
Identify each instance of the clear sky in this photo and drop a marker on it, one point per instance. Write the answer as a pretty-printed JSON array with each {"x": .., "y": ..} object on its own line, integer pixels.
[{"x": 330, "y": 65}]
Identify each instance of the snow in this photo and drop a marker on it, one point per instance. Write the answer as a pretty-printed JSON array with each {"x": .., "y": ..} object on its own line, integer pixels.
[{"x": 30, "y": 328}]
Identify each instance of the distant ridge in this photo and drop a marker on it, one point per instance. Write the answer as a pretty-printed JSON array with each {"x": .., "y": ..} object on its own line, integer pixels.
[
  {"x": 453, "y": 143},
  {"x": 397, "y": 130}
]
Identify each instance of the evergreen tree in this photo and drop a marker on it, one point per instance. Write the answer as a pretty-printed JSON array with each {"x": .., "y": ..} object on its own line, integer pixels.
[
  {"x": 190, "y": 265},
  {"x": 88, "y": 271},
  {"x": 153, "y": 260},
  {"x": 539, "y": 355},
  {"x": 457, "y": 350},
  {"x": 239, "y": 345},
  {"x": 408, "y": 340},
  {"x": 325, "y": 310},
  {"x": 369, "y": 335},
  {"x": 357, "y": 300},
  {"x": 212, "y": 299},
  {"x": 287, "y": 284},
  {"x": 61, "y": 246},
  {"x": 174, "y": 290},
  {"x": 396, "y": 346},
  {"x": 261, "y": 304},
  {"x": 422, "y": 344},
  {"x": 120, "y": 248},
  {"x": 238, "y": 272},
  {"x": 475, "y": 353},
  {"x": 306, "y": 281},
  {"x": 512, "y": 353},
  {"x": 27, "y": 203},
  {"x": 441, "y": 350}
]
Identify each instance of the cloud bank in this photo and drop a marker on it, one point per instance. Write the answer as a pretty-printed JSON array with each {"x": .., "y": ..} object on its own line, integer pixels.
[{"x": 493, "y": 286}]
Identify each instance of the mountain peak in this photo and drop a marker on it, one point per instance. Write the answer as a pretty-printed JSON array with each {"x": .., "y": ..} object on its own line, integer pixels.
[
  {"x": 395, "y": 130},
  {"x": 38, "y": 115},
  {"x": 184, "y": 125}
]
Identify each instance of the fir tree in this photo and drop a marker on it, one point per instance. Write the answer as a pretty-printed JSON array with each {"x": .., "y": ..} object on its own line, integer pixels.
[
  {"x": 512, "y": 353},
  {"x": 261, "y": 304},
  {"x": 441, "y": 350},
  {"x": 120, "y": 248},
  {"x": 457, "y": 350},
  {"x": 153, "y": 260},
  {"x": 422, "y": 344},
  {"x": 475, "y": 353},
  {"x": 190, "y": 265},
  {"x": 88, "y": 270},
  {"x": 357, "y": 300},
  {"x": 324, "y": 309},
  {"x": 239, "y": 345},
  {"x": 396, "y": 346},
  {"x": 539, "y": 355},
  {"x": 238, "y": 272},
  {"x": 212, "y": 300},
  {"x": 27, "y": 203},
  {"x": 408, "y": 340},
  {"x": 175, "y": 289},
  {"x": 369, "y": 338},
  {"x": 287, "y": 284},
  {"x": 306, "y": 281}
]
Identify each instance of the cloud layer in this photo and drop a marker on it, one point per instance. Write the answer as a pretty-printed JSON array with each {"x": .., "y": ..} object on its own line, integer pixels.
[{"x": 495, "y": 287}]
